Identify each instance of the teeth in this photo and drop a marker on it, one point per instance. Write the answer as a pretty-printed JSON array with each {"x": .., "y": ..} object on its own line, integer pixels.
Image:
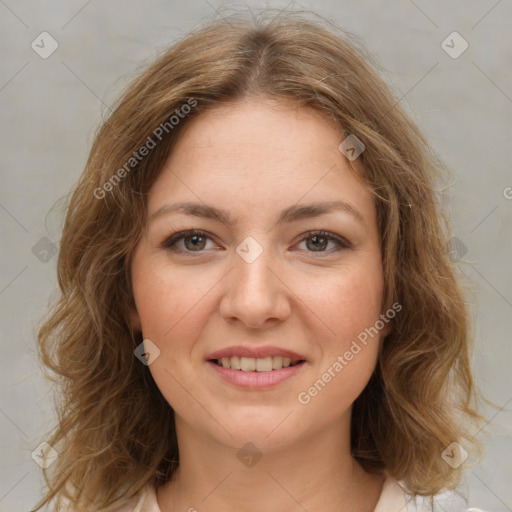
[
  {"x": 247, "y": 364},
  {"x": 262, "y": 364},
  {"x": 277, "y": 362}
]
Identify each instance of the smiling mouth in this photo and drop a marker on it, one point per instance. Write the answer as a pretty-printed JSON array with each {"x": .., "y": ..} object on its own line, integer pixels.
[{"x": 252, "y": 364}]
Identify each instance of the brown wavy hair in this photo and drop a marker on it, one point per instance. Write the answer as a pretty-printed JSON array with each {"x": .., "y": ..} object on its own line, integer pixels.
[{"x": 111, "y": 415}]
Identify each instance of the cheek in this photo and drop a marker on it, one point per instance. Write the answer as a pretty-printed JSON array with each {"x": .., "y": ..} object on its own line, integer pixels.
[
  {"x": 346, "y": 303},
  {"x": 171, "y": 314},
  {"x": 347, "y": 310},
  {"x": 167, "y": 301},
  {"x": 333, "y": 392},
  {"x": 348, "y": 357}
]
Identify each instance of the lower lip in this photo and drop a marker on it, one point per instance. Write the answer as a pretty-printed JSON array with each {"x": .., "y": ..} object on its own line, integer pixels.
[{"x": 255, "y": 380}]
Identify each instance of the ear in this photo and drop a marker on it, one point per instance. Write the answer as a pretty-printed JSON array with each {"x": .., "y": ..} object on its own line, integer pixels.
[
  {"x": 134, "y": 319},
  {"x": 386, "y": 330}
]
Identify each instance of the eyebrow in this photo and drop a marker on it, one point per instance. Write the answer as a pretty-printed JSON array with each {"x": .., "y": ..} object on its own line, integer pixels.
[{"x": 288, "y": 215}]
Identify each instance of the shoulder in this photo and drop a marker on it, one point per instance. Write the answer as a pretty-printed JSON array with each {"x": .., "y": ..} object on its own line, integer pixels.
[
  {"x": 394, "y": 498},
  {"x": 143, "y": 501}
]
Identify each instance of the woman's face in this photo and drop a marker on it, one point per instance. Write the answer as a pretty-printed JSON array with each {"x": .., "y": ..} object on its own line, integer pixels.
[{"x": 259, "y": 284}]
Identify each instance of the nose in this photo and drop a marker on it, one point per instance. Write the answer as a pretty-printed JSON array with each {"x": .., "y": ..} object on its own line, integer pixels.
[{"x": 254, "y": 292}]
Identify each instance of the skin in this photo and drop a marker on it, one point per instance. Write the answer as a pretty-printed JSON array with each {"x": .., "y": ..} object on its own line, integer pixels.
[{"x": 254, "y": 158}]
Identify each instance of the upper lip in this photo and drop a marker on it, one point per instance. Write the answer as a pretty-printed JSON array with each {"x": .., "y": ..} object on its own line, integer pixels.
[{"x": 256, "y": 352}]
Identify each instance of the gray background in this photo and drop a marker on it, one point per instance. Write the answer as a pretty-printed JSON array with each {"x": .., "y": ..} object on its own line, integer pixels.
[{"x": 52, "y": 107}]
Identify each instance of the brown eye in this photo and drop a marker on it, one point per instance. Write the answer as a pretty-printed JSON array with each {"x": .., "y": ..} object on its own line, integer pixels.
[
  {"x": 187, "y": 241},
  {"x": 196, "y": 242},
  {"x": 317, "y": 241}
]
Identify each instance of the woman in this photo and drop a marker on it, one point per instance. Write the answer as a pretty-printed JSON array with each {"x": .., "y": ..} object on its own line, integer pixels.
[{"x": 257, "y": 310}]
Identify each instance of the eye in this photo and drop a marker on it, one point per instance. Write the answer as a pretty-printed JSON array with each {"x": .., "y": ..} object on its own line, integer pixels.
[
  {"x": 194, "y": 240},
  {"x": 320, "y": 240}
]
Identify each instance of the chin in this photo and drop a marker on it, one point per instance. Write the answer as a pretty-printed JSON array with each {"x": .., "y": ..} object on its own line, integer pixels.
[{"x": 256, "y": 425}]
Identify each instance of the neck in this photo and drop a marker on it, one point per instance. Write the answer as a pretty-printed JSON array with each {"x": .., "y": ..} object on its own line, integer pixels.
[{"x": 316, "y": 474}]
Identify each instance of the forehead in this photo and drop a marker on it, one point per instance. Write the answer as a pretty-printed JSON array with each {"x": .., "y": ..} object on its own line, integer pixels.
[
  {"x": 258, "y": 153},
  {"x": 249, "y": 125}
]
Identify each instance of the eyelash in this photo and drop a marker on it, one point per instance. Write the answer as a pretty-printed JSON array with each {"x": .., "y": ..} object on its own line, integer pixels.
[{"x": 170, "y": 242}]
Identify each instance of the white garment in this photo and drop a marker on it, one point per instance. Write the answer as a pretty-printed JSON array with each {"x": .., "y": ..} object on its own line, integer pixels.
[{"x": 392, "y": 499}]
